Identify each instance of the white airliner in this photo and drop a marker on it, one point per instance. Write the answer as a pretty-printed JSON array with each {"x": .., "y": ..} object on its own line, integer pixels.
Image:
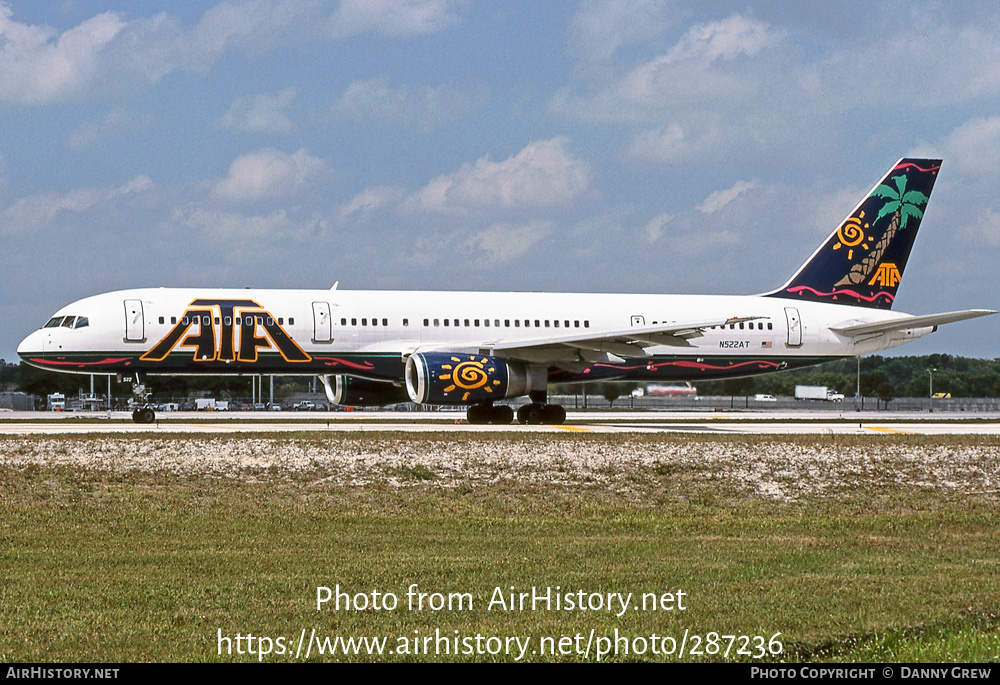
[{"x": 478, "y": 348}]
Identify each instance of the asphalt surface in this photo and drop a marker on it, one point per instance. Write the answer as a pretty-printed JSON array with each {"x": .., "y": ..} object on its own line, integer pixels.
[{"x": 756, "y": 422}]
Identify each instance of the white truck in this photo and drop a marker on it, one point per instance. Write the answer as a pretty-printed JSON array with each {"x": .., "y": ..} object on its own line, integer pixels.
[{"x": 817, "y": 392}]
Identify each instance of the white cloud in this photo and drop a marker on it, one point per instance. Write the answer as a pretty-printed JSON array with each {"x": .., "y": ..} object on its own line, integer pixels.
[
  {"x": 654, "y": 229},
  {"x": 393, "y": 17},
  {"x": 369, "y": 200},
  {"x": 38, "y": 66},
  {"x": 710, "y": 61},
  {"x": 242, "y": 232},
  {"x": 35, "y": 211},
  {"x": 262, "y": 113},
  {"x": 974, "y": 146},
  {"x": 107, "y": 56},
  {"x": 115, "y": 122},
  {"x": 270, "y": 174},
  {"x": 502, "y": 242},
  {"x": 421, "y": 107},
  {"x": 676, "y": 143},
  {"x": 923, "y": 74},
  {"x": 725, "y": 39},
  {"x": 599, "y": 29},
  {"x": 543, "y": 174},
  {"x": 721, "y": 84},
  {"x": 721, "y": 198},
  {"x": 984, "y": 229},
  {"x": 666, "y": 142},
  {"x": 777, "y": 82}
]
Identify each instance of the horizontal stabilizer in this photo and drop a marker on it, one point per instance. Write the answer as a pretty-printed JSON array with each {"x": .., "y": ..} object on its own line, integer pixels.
[{"x": 910, "y": 322}]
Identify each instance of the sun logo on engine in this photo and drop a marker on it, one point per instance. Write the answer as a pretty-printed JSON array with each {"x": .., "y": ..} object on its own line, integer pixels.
[{"x": 470, "y": 374}]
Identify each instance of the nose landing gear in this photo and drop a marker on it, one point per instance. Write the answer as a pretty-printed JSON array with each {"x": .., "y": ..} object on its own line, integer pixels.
[
  {"x": 144, "y": 412},
  {"x": 144, "y": 415}
]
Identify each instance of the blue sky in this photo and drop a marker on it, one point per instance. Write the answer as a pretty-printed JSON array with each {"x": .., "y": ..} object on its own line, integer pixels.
[{"x": 667, "y": 147}]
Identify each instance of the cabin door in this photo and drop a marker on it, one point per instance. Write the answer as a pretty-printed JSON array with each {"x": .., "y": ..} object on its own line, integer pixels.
[
  {"x": 322, "y": 323},
  {"x": 135, "y": 327},
  {"x": 794, "y": 326}
]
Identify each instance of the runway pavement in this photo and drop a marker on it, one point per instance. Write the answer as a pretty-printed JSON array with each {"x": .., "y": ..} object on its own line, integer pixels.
[{"x": 757, "y": 422}]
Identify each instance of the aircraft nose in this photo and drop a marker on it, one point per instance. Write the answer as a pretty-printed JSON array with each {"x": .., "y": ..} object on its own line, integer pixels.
[{"x": 30, "y": 346}]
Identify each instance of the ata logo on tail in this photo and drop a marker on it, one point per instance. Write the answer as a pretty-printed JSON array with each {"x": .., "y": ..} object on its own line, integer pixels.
[{"x": 887, "y": 276}]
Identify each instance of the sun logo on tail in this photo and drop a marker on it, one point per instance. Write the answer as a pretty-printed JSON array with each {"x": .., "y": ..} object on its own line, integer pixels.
[{"x": 852, "y": 234}]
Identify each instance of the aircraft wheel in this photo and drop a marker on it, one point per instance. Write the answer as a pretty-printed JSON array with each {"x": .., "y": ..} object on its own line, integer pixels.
[
  {"x": 147, "y": 415},
  {"x": 502, "y": 415},
  {"x": 553, "y": 414},
  {"x": 478, "y": 414},
  {"x": 135, "y": 417},
  {"x": 530, "y": 414}
]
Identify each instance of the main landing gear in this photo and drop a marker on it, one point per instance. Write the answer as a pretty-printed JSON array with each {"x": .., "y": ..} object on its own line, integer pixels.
[
  {"x": 143, "y": 413},
  {"x": 538, "y": 412},
  {"x": 484, "y": 413}
]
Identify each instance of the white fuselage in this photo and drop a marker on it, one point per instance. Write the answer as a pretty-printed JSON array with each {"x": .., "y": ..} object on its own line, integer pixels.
[{"x": 338, "y": 330}]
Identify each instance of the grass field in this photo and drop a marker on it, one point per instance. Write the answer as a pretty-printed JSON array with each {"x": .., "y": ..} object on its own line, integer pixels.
[{"x": 149, "y": 548}]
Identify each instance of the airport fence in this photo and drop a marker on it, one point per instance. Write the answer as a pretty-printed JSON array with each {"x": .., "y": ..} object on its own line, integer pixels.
[
  {"x": 740, "y": 402},
  {"x": 17, "y": 401}
]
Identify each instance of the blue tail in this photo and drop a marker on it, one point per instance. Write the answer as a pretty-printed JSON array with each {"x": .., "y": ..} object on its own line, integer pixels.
[{"x": 862, "y": 262}]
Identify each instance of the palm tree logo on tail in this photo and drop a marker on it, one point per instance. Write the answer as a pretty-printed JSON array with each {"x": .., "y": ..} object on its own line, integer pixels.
[{"x": 903, "y": 205}]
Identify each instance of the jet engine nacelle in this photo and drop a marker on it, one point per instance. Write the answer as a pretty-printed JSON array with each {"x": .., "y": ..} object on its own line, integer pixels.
[
  {"x": 361, "y": 392},
  {"x": 463, "y": 378}
]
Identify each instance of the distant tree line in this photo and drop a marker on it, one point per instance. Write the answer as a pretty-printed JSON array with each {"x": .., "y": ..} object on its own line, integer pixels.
[
  {"x": 8, "y": 375},
  {"x": 883, "y": 377}
]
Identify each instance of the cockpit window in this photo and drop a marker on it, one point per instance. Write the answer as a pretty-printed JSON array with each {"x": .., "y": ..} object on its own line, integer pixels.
[{"x": 67, "y": 322}]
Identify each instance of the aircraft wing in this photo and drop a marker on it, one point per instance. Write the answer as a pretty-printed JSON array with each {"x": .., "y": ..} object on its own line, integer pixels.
[
  {"x": 854, "y": 330},
  {"x": 609, "y": 345}
]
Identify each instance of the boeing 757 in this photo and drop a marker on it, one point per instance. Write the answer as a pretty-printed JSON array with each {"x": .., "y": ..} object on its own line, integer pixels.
[{"x": 476, "y": 349}]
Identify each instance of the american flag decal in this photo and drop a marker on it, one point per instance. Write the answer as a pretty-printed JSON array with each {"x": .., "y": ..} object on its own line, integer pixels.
[{"x": 766, "y": 344}]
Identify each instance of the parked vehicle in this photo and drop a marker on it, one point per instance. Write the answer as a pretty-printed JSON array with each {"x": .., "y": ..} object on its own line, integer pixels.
[{"x": 817, "y": 392}]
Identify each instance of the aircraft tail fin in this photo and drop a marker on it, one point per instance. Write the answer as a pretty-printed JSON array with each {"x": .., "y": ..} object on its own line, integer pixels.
[{"x": 862, "y": 261}]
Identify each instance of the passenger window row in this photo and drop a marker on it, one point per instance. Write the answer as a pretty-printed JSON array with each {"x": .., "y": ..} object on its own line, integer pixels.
[
  {"x": 507, "y": 323},
  {"x": 240, "y": 320},
  {"x": 374, "y": 321},
  {"x": 474, "y": 323},
  {"x": 749, "y": 325}
]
